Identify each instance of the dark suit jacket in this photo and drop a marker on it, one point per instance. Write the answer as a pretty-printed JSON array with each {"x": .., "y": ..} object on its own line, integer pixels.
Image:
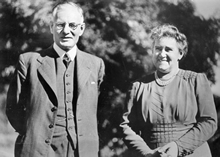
[{"x": 32, "y": 100}]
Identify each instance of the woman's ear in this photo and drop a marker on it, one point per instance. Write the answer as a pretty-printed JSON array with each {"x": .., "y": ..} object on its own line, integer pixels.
[{"x": 181, "y": 54}]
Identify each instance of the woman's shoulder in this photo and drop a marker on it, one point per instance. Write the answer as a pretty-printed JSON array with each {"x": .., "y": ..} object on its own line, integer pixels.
[
  {"x": 189, "y": 75},
  {"x": 146, "y": 78},
  {"x": 138, "y": 84}
]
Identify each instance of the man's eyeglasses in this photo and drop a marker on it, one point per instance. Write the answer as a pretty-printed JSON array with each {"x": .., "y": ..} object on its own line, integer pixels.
[{"x": 61, "y": 26}]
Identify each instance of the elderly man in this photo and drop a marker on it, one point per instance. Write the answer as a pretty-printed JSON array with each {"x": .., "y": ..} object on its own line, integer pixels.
[{"x": 52, "y": 99}]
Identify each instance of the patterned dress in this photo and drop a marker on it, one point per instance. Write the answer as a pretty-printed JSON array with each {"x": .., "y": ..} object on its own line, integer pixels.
[{"x": 182, "y": 111}]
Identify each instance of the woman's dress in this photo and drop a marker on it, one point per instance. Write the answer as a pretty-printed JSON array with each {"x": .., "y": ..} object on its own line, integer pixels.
[{"x": 182, "y": 111}]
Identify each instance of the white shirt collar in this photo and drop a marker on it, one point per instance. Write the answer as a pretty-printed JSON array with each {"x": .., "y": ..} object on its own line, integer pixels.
[{"x": 61, "y": 52}]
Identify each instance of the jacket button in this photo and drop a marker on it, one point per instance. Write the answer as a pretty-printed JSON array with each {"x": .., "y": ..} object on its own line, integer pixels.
[
  {"x": 70, "y": 128},
  {"x": 53, "y": 109},
  {"x": 67, "y": 83},
  {"x": 51, "y": 126}
]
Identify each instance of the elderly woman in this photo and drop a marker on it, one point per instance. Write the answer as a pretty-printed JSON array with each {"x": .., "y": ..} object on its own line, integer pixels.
[{"x": 171, "y": 112}]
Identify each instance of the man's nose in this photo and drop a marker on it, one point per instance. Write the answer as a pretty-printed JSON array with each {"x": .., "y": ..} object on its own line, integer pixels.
[{"x": 66, "y": 29}]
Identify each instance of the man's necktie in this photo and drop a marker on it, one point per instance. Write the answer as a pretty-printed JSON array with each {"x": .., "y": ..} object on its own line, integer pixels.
[{"x": 66, "y": 59}]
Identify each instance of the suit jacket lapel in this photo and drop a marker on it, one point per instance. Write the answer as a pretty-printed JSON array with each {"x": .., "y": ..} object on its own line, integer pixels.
[
  {"x": 47, "y": 69},
  {"x": 83, "y": 70}
]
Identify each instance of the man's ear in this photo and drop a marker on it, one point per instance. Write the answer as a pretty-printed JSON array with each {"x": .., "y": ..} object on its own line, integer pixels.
[
  {"x": 51, "y": 27},
  {"x": 82, "y": 28}
]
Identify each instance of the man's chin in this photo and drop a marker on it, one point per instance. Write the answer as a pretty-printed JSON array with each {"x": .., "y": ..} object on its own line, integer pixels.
[{"x": 67, "y": 46}]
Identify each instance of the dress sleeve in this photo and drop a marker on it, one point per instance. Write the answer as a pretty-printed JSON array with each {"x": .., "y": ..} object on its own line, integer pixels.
[
  {"x": 206, "y": 118},
  {"x": 131, "y": 125},
  {"x": 15, "y": 109}
]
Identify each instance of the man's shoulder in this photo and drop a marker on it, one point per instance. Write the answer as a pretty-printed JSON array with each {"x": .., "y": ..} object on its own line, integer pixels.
[
  {"x": 90, "y": 58},
  {"x": 89, "y": 55},
  {"x": 31, "y": 56}
]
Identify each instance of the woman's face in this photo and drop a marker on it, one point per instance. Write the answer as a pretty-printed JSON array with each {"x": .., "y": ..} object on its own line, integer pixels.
[{"x": 166, "y": 55}]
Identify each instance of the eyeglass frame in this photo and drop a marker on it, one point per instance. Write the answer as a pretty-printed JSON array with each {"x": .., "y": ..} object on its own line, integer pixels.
[{"x": 61, "y": 26}]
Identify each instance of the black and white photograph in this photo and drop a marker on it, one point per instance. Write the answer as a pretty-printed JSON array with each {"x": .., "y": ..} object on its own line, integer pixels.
[{"x": 109, "y": 78}]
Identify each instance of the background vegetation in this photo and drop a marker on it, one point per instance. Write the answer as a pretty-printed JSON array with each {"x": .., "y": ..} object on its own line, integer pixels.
[{"x": 118, "y": 32}]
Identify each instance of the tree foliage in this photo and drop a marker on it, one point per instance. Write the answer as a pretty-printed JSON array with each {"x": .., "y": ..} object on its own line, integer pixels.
[{"x": 118, "y": 32}]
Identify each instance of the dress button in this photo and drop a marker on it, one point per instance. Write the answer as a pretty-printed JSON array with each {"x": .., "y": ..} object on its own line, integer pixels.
[{"x": 47, "y": 141}]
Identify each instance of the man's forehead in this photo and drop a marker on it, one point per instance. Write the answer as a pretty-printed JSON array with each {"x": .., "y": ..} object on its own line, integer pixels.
[
  {"x": 68, "y": 7},
  {"x": 68, "y": 10}
]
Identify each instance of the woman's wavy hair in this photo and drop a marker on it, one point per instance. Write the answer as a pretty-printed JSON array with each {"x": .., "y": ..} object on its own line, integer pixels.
[{"x": 168, "y": 30}]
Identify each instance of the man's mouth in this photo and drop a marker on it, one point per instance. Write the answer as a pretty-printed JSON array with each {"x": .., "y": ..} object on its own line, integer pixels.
[{"x": 64, "y": 38}]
